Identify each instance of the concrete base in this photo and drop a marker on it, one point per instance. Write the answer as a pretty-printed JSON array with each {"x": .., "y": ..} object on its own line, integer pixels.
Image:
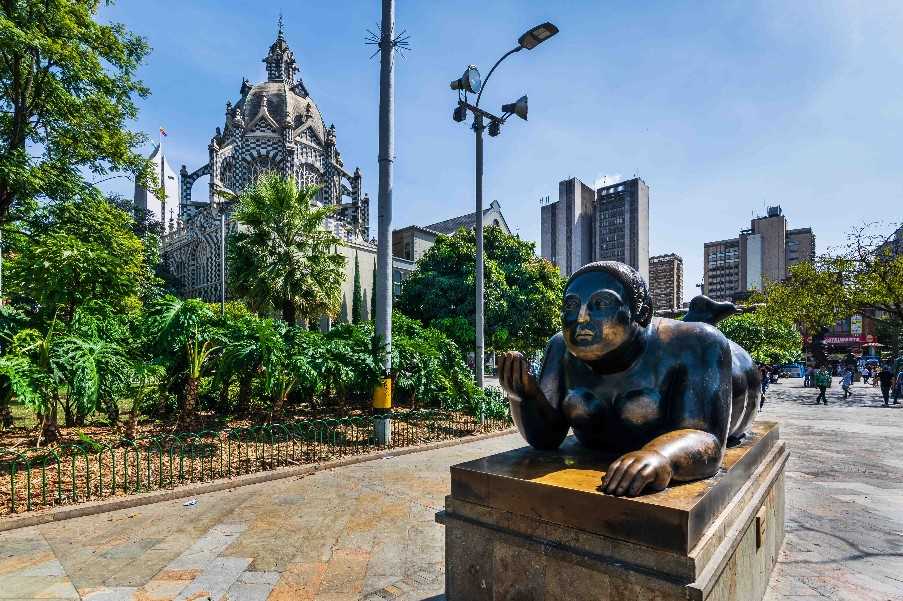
[
  {"x": 382, "y": 427},
  {"x": 529, "y": 525}
]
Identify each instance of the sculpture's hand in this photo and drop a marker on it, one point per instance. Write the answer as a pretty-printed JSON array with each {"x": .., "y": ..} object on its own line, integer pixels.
[
  {"x": 515, "y": 376},
  {"x": 634, "y": 471}
]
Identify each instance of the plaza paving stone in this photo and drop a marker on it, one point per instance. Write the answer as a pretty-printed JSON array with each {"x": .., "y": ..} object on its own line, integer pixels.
[{"x": 367, "y": 532}]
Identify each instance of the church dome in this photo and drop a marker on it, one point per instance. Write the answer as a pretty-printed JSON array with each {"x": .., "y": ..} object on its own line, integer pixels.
[
  {"x": 280, "y": 101},
  {"x": 283, "y": 105}
]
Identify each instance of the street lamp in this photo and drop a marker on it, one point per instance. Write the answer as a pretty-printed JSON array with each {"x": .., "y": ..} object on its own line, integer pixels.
[{"x": 470, "y": 82}]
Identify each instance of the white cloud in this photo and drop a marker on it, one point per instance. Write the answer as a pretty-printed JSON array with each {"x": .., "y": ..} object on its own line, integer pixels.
[{"x": 607, "y": 180}]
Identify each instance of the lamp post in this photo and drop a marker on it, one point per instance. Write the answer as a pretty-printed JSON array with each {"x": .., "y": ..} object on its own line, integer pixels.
[{"x": 469, "y": 82}]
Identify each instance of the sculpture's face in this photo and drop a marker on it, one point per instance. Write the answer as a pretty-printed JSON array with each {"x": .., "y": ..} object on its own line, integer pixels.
[{"x": 596, "y": 316}]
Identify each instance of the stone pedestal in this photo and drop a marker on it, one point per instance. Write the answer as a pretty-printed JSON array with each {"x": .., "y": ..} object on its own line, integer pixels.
[{"x": 530, "y": 525}]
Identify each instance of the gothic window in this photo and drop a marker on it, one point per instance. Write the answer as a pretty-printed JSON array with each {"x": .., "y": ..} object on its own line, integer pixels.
[
  {"x": 262, "y": 164},
  {"x": 308, "y": 176},
  {"x": 226, "y": 174}
]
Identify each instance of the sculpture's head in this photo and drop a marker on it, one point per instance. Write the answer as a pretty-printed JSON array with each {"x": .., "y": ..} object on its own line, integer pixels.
[{"x": 604, "y": 304}]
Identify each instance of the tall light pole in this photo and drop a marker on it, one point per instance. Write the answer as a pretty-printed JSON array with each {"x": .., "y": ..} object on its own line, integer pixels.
[
  {"x": 470, "y": 83},
  {"x": 382, "y": 398}
]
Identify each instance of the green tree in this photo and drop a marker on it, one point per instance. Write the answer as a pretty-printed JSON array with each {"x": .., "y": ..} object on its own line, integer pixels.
[
  {"x": 875, "y": 262},
  {"x": 522, "y": 291},
  {"x": 282, "y": 258},
  {"x": 357, "y": 300},
  {"x": 768, "y": 340},
  {"x": 67, "y": 90},
  {"x": 184, "y": 340},
  {"x": 814, "y": 295},
  {"x": 79, "y": 252},
  {"x": 244, "y": 354}
]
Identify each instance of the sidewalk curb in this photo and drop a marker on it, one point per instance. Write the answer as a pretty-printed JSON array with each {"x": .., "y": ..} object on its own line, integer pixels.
[{"x": 58, "y": 514}]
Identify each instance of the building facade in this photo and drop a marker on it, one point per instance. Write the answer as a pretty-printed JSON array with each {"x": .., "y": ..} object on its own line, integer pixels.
[
  {"x": 567, "y": 226},
  {"x": 622, "y": 224},
  {"x": 759, "y": 255},
  {"x": 666, "y": 281},
  {"x": 273, "y": 126},
  {"x": 608, "y": 224},
  {"x": 163, "y": 209},
  {"x": 721, "y": 268},
  {"x": 412, "y": 242}
]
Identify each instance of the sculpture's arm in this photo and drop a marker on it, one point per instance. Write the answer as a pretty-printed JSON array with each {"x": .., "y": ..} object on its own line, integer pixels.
[
  {"x": 535, "y": 404},
  {"x": 694, "y": 446}
]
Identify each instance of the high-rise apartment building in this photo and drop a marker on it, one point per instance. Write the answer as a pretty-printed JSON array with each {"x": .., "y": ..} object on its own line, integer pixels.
[
  {"x": 761, "y": 254},
  {"x": 621, "y": 224},
  {"x": 721, "y": 268},
  {"x": 585, "y": 225},
  {"x": 666, "y": 281},
  {"x": 567, "y": 226}
]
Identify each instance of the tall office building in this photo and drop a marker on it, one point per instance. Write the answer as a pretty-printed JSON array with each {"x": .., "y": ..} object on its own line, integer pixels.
[
  {"x": 621, "y": 224},
  {"x": 800, "y": 246},
  {"x": 666, "y": 281},
  {"x": 585, "y": 225},
  {"x": 721, "y": 268},
  {"x": 567, "y": 227},
  {"x": 759, "y": 255}
]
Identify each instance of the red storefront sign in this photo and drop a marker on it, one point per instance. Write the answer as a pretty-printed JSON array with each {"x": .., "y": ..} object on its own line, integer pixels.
[{"x": 846, "y": 339}]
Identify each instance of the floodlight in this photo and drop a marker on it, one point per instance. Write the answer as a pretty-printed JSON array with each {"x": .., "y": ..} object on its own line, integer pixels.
[
  {"x": 537, "y": 36},
  {"x": 459, "y": 114},
  {"x": 494, "y": 128},
  {"x": 469, "y": 82},
  {"x": 518, "y": 108}
]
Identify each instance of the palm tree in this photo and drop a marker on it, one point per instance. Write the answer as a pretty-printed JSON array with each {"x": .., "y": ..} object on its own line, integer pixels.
[
  {"x": 96, "y": 374},
  {"x": 243, "y": 356},
  {"x": 282, "y": 258},
  {"x": 184, "y": 338}
]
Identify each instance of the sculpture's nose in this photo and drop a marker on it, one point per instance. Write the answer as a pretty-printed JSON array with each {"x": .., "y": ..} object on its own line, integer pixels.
[{"x": 583, "y": 316}]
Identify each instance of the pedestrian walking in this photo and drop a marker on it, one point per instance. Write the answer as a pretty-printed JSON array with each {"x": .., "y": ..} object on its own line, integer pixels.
[
  {"x": 866, "y": 374},
  {"x": 763, "y": 373},
  {"x": 809, "y": 380},
  {"x": 846, "y": 382},
  {"x": 822, "y": 381},
  {"x": 886, "y": 379}
]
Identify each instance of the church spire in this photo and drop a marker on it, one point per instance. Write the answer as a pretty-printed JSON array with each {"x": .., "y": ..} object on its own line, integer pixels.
[{"x": 280, "y": 61}]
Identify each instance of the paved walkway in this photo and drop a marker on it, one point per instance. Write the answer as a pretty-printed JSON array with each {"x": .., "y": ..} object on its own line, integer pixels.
[{"x": 367, "y": 531}]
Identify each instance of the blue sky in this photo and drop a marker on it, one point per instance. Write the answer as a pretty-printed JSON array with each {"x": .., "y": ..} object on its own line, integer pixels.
[{"x": 722, "y": 107}]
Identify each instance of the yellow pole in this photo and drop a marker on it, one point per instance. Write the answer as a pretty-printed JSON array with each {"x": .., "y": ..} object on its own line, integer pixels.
[{"x": 382, "y": 395}]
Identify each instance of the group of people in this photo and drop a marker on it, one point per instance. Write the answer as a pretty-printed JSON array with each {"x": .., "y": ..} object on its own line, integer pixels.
[{"x": 882, "y": 376}]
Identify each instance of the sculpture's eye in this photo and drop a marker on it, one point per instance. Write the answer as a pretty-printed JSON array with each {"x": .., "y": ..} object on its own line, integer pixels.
[
  {"x": 571, "y": 305},
  {"x": 599, "y": 303}
]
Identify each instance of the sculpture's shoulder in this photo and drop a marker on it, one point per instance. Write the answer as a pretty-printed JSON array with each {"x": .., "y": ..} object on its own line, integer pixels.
[
  {"x": 683, "y": 336},
  {"x": 555, "y": 350}
]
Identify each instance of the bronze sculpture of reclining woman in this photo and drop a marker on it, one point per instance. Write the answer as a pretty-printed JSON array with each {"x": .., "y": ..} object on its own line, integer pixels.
[{"x": 667, "y": 395}]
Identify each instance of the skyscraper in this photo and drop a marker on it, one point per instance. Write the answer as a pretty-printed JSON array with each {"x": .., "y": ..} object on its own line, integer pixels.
[
  {"x": 721, "y": 268},
  {"x": 608, "y": 224},
  {"x": 567, "y": 227},
  {"x": 666, "y": 281},
  {"x": 761, "y": 254},
  {"x": 621, "y": 224}
]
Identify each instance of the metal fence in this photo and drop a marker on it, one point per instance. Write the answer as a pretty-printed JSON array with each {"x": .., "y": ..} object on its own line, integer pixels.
[{"x": 84, "y": 471}]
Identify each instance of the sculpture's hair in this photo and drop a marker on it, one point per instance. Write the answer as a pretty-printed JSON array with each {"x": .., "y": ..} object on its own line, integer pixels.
[{"x": 640, "y": 300}]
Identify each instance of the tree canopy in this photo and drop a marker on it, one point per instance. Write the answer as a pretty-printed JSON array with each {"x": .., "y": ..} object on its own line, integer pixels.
[
  {"x": 78, "y": 252},
  {"x": 67, "y": 90},
  {"x": 865, "y": 274},
  {"x": 768, "y": 340},
  {"x": 282, "y": 258},
  {"x": 522, "y": 291},
  {"x": 813, "y": 295}
]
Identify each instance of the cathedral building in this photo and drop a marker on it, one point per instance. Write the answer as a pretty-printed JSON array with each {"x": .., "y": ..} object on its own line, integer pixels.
[{"x": 273, "y": 126}]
